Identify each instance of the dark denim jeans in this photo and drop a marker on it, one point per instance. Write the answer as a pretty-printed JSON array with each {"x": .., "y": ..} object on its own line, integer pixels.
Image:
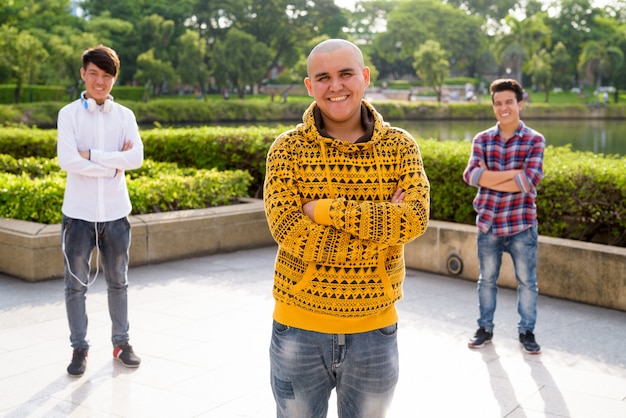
[
  {"x": 523, "y": 250},
  {"x": 79, "y": 238},
  {"x": 306, "y": 366}
]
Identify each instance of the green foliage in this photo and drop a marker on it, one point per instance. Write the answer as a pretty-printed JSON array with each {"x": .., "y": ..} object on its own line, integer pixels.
[
  {"x": 214, "y": 109},
  {"x": 128, "y": 93},
  {"x": 444, "y": 162},
  {"x": 223, "y": 148},
  {"x": 36, "y": 194},
  {"x": 32, "y": 199},
  {"x": 31, "y": 166},
  {"x": 582, "y": 196},
  {"x": 32, "y": 93},
  {"x": 24, "y": 142},
  {"x": 189, "y": 189}
]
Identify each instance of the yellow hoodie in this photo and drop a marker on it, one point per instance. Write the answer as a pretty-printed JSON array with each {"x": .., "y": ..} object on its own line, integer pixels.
[{"x": 343, "y": 272}]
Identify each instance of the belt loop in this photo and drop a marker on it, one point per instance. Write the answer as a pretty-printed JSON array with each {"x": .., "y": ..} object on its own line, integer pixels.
[{"x": 341, "y": 339}]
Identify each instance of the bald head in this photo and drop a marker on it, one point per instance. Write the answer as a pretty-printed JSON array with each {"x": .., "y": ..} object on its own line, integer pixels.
[{"x": 332, "y": 45}]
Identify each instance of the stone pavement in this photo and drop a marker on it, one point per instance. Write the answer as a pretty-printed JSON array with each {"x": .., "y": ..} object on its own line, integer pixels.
[{"x": 202, "y": 328}]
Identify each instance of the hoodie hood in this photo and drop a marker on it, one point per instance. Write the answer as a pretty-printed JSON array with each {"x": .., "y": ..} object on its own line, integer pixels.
[{"x": 312, "y": 129}]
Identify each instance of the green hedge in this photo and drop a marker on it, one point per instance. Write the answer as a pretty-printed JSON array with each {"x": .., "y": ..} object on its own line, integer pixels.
[
  {"x": 33, "y": 93},
  {"x": 582, "y": 197},
  {"x": 36, "y": 193},
  {"x": 256, "y": 109},
  {"x": 37, "y": 93},
  {"x": 223, "y": 148}
]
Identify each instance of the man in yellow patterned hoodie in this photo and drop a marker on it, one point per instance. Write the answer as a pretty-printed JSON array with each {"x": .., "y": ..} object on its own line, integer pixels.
[{"x": 343, "y": 193}]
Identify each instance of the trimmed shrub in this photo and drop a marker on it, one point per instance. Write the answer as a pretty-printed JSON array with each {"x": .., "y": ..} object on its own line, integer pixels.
[
  {"x": 582, "y": 196},
  {"x": 158, "y": 187}
]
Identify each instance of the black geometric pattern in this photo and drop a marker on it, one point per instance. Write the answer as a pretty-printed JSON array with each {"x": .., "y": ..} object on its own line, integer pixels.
[{"x": 355, "y": 266}]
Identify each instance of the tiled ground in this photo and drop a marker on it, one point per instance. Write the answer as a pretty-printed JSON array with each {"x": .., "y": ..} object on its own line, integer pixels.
[{"x": 202, "y": 329}]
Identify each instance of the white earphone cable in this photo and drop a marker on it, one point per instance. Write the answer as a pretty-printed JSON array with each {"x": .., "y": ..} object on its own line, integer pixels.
[{"x": 88, "y": 282}]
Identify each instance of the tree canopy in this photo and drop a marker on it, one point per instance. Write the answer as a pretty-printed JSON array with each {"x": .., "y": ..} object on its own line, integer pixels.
[{"x": 208, "y": 45}]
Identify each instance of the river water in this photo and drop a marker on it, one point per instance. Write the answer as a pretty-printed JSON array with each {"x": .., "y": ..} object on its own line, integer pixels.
[{"x": 597, "y": 136}]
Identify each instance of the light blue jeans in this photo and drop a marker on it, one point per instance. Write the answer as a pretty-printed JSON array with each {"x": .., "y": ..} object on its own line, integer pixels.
[
  {"x": 78, "y": 239},
  {"x": 523, "y": 250},
  {"x": 306, "y": 366}
]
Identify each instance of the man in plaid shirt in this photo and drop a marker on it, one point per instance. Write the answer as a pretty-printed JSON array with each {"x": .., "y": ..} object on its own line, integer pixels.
[{"x": 506, "y": 165}]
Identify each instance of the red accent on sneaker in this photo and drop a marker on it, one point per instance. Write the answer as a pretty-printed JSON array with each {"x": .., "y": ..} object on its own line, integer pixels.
[{"x": 117, "y": 352}]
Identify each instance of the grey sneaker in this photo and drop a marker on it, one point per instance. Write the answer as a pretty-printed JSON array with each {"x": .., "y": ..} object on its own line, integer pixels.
[
  {"x": 480, "y": 338},
  {"x": 124, "y": 353},
  {"x": 79, "y": 363},
  {"x": 527, "y": 340}
]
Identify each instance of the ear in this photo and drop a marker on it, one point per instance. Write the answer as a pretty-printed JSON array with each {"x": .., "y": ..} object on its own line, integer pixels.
[
  {"x": 366, "y": 76},
  {"x": 307, "y": 83},
  {"x": 82, "y": 73}
]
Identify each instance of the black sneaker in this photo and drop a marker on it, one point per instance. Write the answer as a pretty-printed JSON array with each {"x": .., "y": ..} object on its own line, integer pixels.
[
  {"x": 528, "y": 343},
  {"x": 480, "y": 338},
  {"x": 79, "y": 363},
  {"x": 125, "y": 354}
]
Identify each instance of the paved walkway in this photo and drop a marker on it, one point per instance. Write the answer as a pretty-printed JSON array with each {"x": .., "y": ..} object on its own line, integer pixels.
[{"x": 202, "y": 329}]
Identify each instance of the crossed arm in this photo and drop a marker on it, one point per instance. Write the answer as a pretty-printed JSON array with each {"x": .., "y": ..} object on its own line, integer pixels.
[
  {"x": 502, "y": 181},
  {"x": 125, "y": 147},
  {"x": 309, "y": 207}
]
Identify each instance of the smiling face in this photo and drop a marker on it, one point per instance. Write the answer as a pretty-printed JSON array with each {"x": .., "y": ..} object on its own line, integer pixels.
[
  {"x": 507, "y": 108},
  {"x": 98, "y": 82},
  {"x": 337, "y": 80}
]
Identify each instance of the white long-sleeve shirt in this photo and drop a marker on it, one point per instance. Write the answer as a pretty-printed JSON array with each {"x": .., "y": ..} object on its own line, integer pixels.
[{"x": 94, "y": 192}]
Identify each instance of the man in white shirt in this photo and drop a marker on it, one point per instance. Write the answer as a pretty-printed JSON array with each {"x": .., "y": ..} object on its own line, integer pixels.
[{"x": 98, "y": 140}]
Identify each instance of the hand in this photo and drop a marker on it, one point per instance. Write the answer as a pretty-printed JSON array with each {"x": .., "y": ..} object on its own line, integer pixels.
[
  {"x": 127, "y": 145},
  {"x": 398, "y": 196},
  {"x": 309, "y": 209}
]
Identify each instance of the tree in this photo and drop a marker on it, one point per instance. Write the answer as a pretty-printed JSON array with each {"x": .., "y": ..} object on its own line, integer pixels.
[
  {"x": 414, "y": 22},
  {"x": 368, "y": 18},
  {"x": 540, "y": 69},
  {"x": 154, "y": 73},
  {"x": 240, "y": 60},
  {"x": 65, "y": 56},
  {"x": 560, "y": 65},
  {"x": 22, "y": 54},
  {"x": 494, "y": 9},
  {"x": 573, "y": 27},
  {"x": 524, "y": 38},
  {"x": 155, "y": 32},
  {"x": 33, "y": 15},
  {"x": 191, "y": 55},
  {"x": 284, "y": 26},
  {"x": 598, "y": 61},
  {"x": 118, "y": 34},
  {"x": 431, "y": 65}
]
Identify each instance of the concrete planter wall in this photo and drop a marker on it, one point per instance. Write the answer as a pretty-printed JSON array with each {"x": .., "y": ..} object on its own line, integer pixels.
[
  {"x": 572, "y": 270},
  {"x": 32, "y": 251}
]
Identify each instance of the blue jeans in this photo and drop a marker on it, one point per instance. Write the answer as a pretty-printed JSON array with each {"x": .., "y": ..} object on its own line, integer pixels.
[
  {"x": 78, "y": 241},
  {"x": 306, "y": 366},
  {"x": 523, "y": 250}
]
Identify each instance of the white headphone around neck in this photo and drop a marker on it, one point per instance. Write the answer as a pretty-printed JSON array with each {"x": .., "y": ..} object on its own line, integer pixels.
[{"x": 90, "y": 104}]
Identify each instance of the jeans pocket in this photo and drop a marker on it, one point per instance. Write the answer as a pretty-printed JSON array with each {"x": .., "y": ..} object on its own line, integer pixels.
[
  {"x": 280, "y": 328},
  {"x": 389, "y": 330}
]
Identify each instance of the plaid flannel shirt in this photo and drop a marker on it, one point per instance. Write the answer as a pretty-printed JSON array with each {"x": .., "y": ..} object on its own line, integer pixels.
[{"x": 506, "y": 213}]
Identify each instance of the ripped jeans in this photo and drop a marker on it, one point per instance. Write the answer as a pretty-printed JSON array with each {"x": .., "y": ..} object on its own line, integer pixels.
[{"x": 306, "y": 366}]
